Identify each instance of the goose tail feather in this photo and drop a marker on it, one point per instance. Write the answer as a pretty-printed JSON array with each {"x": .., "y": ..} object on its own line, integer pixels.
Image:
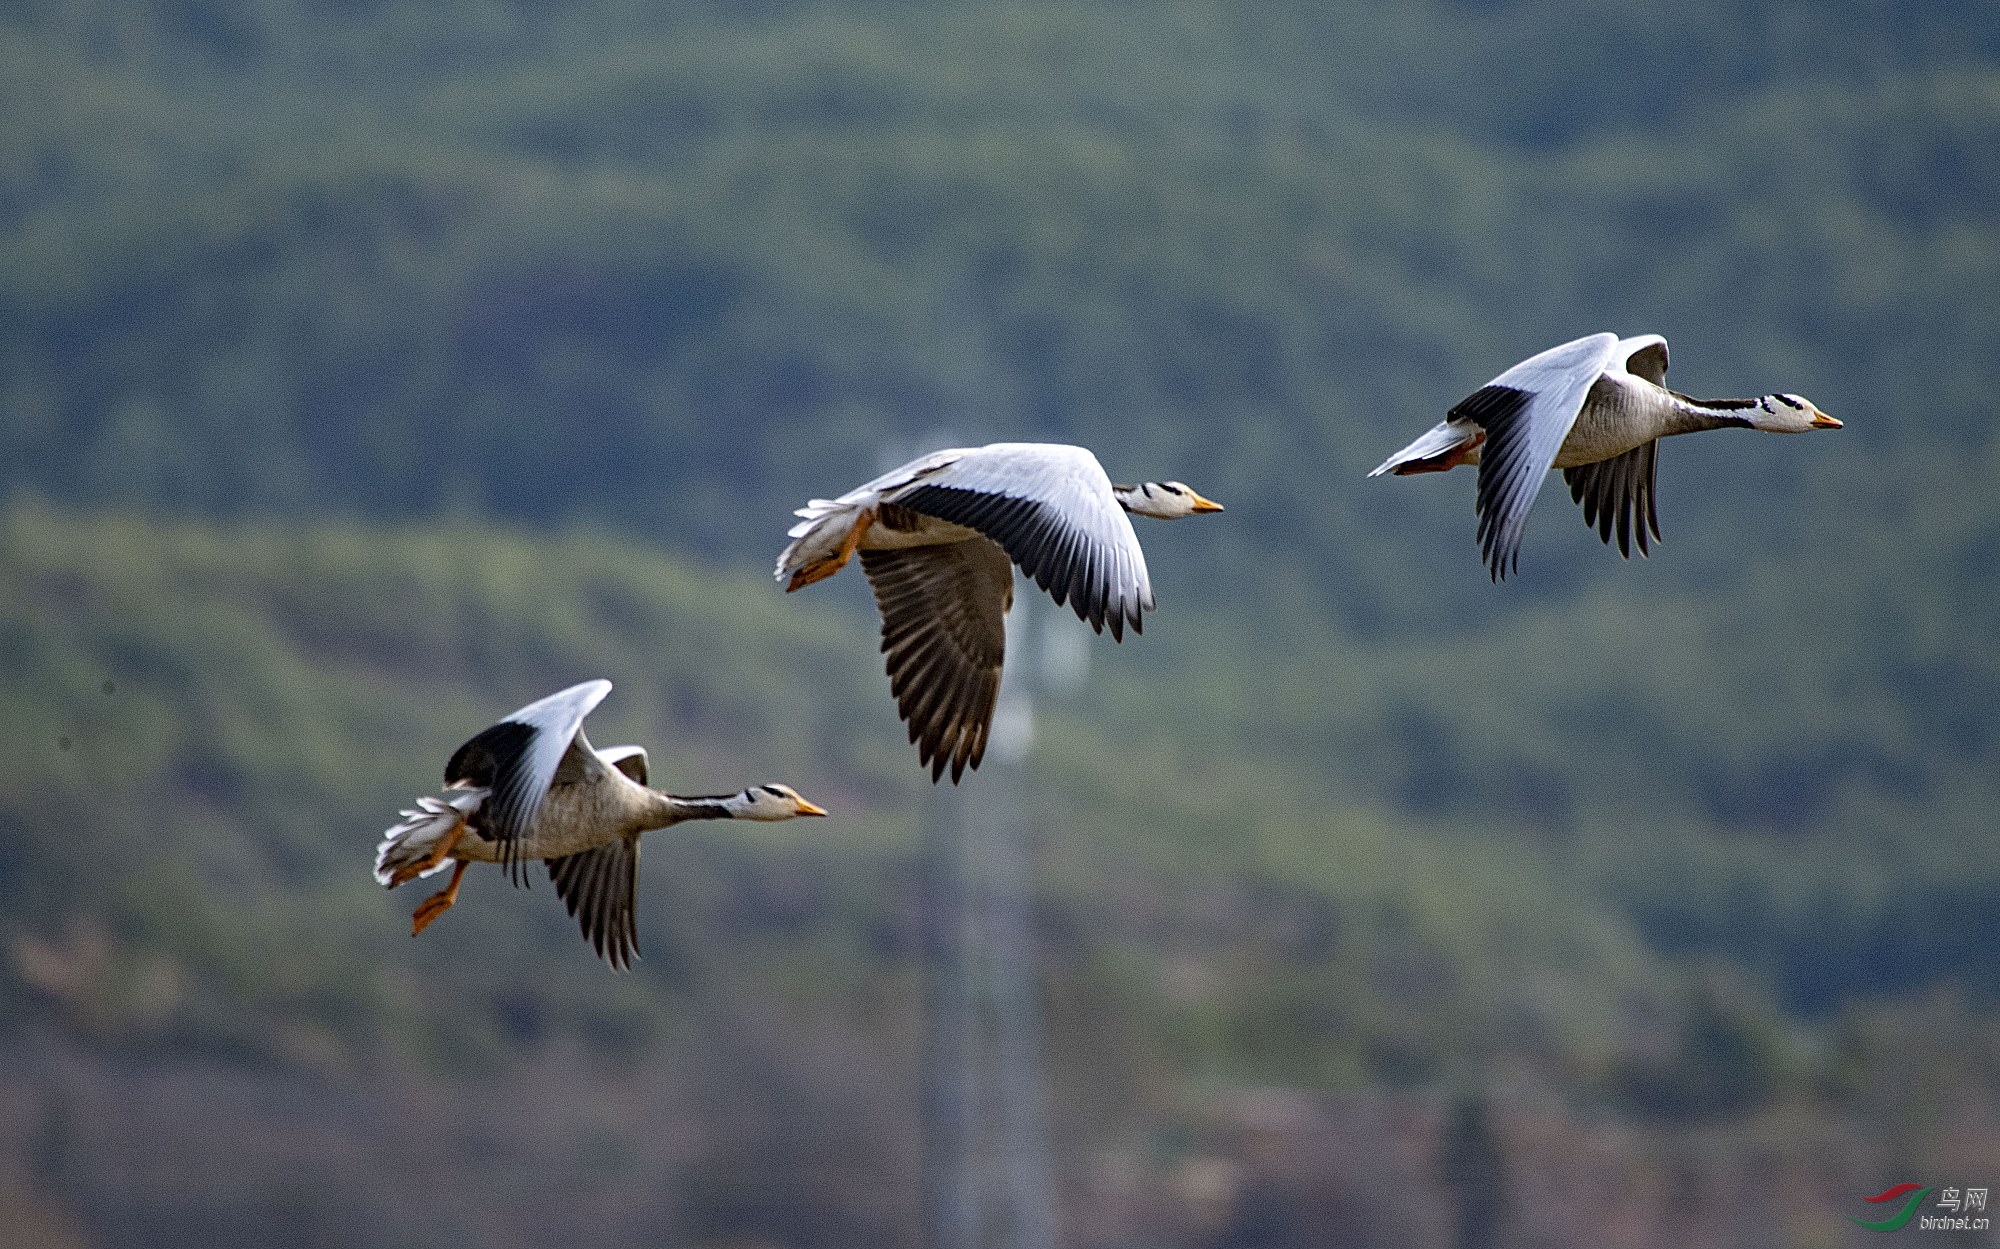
[{"x": 422, "y": 828}]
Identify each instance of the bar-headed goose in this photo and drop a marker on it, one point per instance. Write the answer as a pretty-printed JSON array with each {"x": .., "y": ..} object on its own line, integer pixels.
[
  {"x": 937, "y": 539},
  {"x": 533, "y": 788},
  {"x": 1595, "y": 408}
]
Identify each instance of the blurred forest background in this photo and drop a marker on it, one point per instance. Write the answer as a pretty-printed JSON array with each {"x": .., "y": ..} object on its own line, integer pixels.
[{"x": 369, "y": 369}]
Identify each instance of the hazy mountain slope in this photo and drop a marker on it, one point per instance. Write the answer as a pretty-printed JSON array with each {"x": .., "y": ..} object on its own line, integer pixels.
[{"x": 211, "y": 724}]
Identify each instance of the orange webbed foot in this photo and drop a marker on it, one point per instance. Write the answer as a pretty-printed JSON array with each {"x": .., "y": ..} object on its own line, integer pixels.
[
  {"x": 814, "y": 572},
  {"x": 438, "y": 903}
]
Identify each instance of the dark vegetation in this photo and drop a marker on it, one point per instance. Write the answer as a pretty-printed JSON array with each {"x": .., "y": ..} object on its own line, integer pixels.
[{"x": 369, "y": 369}]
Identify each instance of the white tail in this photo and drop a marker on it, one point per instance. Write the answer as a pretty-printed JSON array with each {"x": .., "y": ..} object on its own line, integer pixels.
[{"x": 418, "y": 835}]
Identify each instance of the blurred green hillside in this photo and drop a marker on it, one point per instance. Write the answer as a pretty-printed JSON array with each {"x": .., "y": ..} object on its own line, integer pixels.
[
  {"x": 211, "y": 724},
  {"x": 369, "y": 369}
]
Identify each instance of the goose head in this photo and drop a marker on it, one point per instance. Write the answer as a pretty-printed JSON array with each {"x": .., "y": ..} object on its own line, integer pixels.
[
  {"x": 1163, "y": 500},
  {"x": 1788, "y": 414},
  {"x": 769, "y": 802}
]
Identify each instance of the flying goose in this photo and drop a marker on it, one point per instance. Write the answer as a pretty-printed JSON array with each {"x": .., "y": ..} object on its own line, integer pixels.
[
  {"x": 937, "y": 539},
  {"x": 1595, "y": 408},
  {"x": 533, "y": 788}
]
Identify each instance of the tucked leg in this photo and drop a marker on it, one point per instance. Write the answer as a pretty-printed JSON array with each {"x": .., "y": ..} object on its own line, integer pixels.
[
  {"x": 438, "y": 854},
  {"x": 838, "y": 560},
  {"x": 440, "y": 902},
  {"x": 1444, "y": 461}
]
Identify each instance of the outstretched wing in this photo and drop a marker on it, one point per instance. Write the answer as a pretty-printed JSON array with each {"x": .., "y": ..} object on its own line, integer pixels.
[
  {"x": 1050, "y": 507},
  {"x": 1526, "y": 413},
  {"x": 540, "y": 745},
  {"x": 1620, "y": 491},
  {"x": 944, "y": 630},
  {"x": 601, "y": 888}
]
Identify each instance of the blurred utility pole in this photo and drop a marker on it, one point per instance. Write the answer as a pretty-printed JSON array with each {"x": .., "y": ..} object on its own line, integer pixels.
[
  {"x": 1472, "y": 1167},
  {"x": 986, "y": 1141},
  {"x": 950, "y": 1213}
]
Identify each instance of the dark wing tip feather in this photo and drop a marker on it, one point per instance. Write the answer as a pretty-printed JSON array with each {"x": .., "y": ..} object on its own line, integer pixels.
[
  {"x": 477, "y": 764},
  {"x": 599, "y": 888},
  {"x": 942, "y": 653},
  {"x": 496, "y": 758},
  {"x": 1619, "y": 495},
  {"x": 1499, "y": 498}
]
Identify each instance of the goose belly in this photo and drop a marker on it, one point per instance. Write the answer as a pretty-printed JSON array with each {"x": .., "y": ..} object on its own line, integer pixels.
[
  {"x": 1612, "y": 422},
  {"x": 1586, "y": 444},
  {"x": 573, "y": 819},
  {"x": 1577, "y": 451}
]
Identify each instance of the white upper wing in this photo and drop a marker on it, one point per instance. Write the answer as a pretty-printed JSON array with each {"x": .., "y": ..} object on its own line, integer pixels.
[
  {"x": 1526, "y": 413},
  {"x": 1050, "y": 507},
  {"x": 867, "y": 493},
  {"x": 517, "y": 759}
]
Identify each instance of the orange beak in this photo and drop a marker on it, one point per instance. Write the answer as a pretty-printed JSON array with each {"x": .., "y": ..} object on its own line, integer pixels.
[{"x": 1822, "y": 421}]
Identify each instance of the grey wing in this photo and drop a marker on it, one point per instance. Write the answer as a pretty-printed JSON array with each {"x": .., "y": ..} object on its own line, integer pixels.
[
  {"x": 944, "y": 632},
  {"x": 1620, "y": 491},
  {"x": 601, "y": 888},
  {"x": 1050, "y": 507},
  {"x": 1526, "y": 413},
  {"x": 519, "y": 758},
  {"x": 631, "y": 760},
  {"x": 1645, "y": 355}
]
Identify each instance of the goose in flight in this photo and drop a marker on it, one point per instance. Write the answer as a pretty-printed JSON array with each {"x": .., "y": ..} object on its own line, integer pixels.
[
  {"x": 1595, "y": 408},
  {"x": 532, "y": 787},
  {"x": 938, "y": 538}
]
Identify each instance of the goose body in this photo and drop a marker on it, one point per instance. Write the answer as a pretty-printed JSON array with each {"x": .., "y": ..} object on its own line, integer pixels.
[
  {"x": 939, "y": 538},
  {"x": 531, "y": 787},
  {"x": 1595, "y": 408}
]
